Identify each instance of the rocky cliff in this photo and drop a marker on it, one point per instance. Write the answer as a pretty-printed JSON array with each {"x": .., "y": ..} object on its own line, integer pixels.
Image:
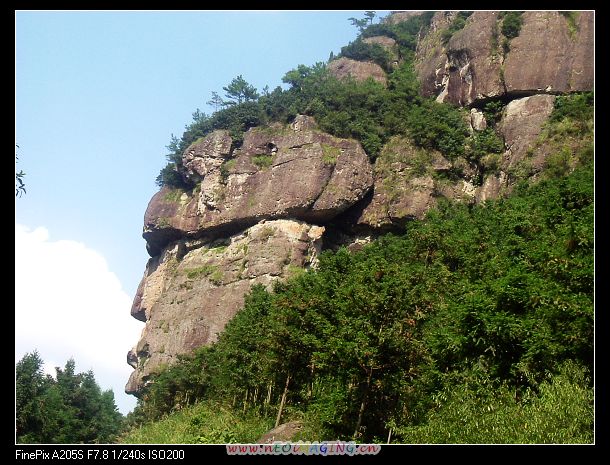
[
  {"x": 263, "y": 211},
  {"x": 553, "y": 53}
]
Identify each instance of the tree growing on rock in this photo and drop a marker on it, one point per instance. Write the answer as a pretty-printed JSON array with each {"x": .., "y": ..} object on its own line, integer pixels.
[{"x": 239, "y": 91}]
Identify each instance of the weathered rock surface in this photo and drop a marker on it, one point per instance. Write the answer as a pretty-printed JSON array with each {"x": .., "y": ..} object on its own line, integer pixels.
[
  {"x": 477, "y": 120},
  {"x": 548, "y": 56},
  {"x": 279, "y": 172},
  {"x": 284, "y": 432},
  {"x": 408, "y": 181},
  {"x": 190, "y": 291},
  {"x": 207, "y": 155},
  {"x": 521, "y": 125},
  {"x": 343, "y": 68},
  {"x": 396, "y": 17}
]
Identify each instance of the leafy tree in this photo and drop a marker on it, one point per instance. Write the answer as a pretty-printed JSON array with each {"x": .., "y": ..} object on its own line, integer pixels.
[
  {"x": 29, "y": 387},
  {"x": 68, "y": 409},
  {"x": 216, "y": 101},
  {"x": 359, "y": 23},
  {"x": 239, "y": 91}
]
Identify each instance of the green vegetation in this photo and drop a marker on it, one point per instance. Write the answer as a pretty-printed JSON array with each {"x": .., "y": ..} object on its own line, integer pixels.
[
  {"x": 511, "y": 27},
  {"x": 330, "y": 154},
  {"x": 476, "y": 326},
  {"x": 483, "y": 143},
  {"x": 70, "y": 408},
  {"x": 577, "y": 107},
  {"x": 262, "y": 161},
  {"x": 361, "y": 51},
  {"x": 203, "y": 270},
  {"x": 205, "y": 423},
  {"x": 511, "y": 23},
  {"x": 485, "y": 413},
  {"x": 163, "y": 222},
  {"x": 456, "y": 25},
  {"x": 566, "y": 140},
  {"x": 226, "y": 168},
  {"x": 173, "y": 195},
  {"x": 572, "y": 20}
]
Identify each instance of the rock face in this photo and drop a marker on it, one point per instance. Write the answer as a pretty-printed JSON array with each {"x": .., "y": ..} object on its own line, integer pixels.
[
  {"x": 408, "y": 181},
  {"x": 521, "y": 124},
  {"x": 399, "y": 16},
  {"x": 547, "y": 56},
  {"x": 255, "y": 216},
  {"x": 279, "y": 172},
  {"x": 190, "y": 291},
  {"x": 343, "y": 68},
  {"x": 263, "y": 211},
  {"x": 550, "y": 55}
]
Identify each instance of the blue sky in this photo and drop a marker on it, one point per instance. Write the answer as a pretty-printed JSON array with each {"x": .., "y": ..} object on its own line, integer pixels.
[{"x": 98, "y": 95}]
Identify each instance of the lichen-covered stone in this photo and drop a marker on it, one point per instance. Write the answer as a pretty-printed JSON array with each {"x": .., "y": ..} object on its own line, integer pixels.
[{"x": 191, "y": 291}]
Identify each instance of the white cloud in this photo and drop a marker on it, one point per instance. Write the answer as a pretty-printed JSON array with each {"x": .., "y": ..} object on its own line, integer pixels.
[{"x": 69, "y": 304}]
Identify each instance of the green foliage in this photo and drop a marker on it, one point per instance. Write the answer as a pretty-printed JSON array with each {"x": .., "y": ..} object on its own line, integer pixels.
[
  {"x": 362, "y": 23},
  {"x": 578, "y": 107},
  {"x": 173, "y": 195},
  {"x": 204, "y": 423},
  {"x": 438, "y": 126},
  {"x": 511, "y": 23},
  {"x": 262, "y": 161},
  {"x": 239, "y": 91},
  {"x": 572, "y": 20},
  {"x": 330, "y": 154},
  {"x": 226, "y": 167},
  {"x": 69, "y": 409},
  {"x": 169, "y": 176},
  {"x": 362, "y": 51},
  {"x": 203, "y": 270},
  {"x": 456, "y": 25},
  {"x": 482, "y": 412},
  {"x": 475, "y": 308},
  {"x": 483, "y": 143},
  {"x": 493, "y": 112}
]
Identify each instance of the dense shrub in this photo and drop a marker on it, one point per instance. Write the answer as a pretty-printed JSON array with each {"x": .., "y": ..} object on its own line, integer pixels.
[
  {"x": 511, "y": 23},
  {"x": 361, "y": 51}
]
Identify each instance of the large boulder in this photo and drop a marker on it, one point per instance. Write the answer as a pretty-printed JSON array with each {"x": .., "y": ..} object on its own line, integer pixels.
[
  {"x": 282, "y": 433},
  {"x": 407, "y": 182},
  {"x": 279, "y": 172},
  {"x": 343, "y": 68},
  {"x": 521, "y": 124},
  {"x": 396, "y": 17},
  {"x": 550, "y": 55},
  {"x": 190, "y": 291}
]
